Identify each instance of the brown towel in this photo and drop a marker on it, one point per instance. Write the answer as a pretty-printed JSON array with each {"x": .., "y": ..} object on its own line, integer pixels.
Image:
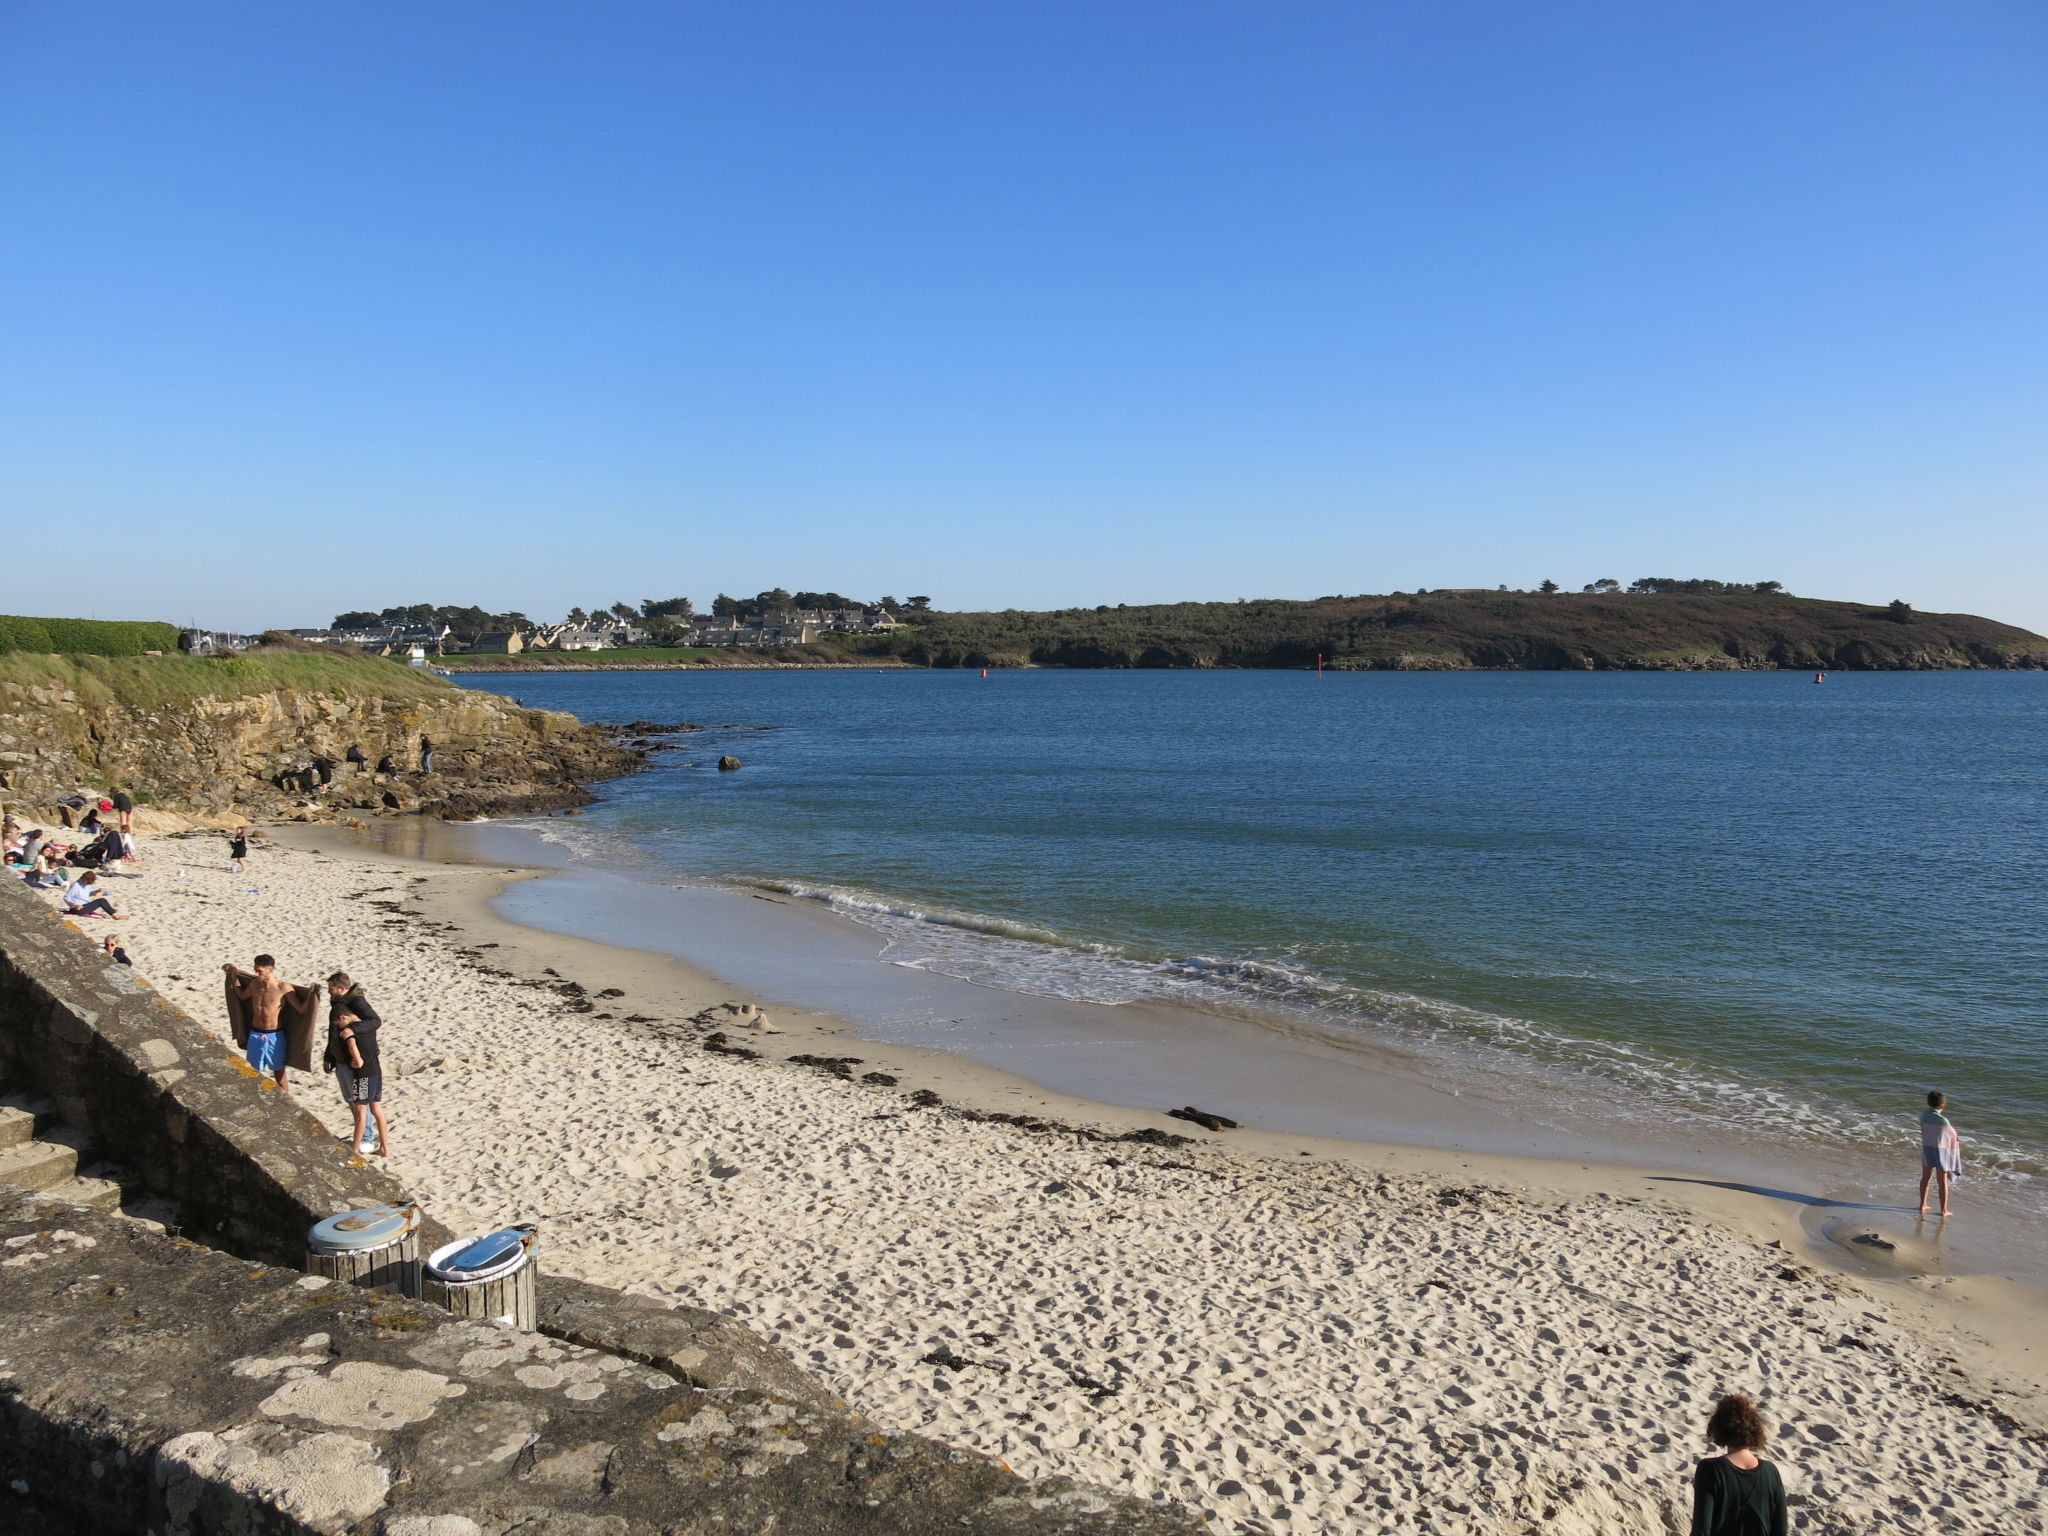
[{"x": 298, "y": 1017}]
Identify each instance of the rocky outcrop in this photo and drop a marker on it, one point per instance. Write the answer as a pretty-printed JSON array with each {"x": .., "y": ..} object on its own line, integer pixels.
[{"x": 215, "y": 757}]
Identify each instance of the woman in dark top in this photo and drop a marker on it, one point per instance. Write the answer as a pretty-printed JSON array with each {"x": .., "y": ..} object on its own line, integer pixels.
[{"x": 1738, "y": 1494}]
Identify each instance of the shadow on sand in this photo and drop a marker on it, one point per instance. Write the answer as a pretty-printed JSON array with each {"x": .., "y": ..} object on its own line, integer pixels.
[{"x": 1791, "y": 1195}]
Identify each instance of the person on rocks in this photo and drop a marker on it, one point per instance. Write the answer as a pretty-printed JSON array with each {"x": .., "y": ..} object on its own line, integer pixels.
[
  {"x": 323, "y": 771},
  {"x": 1941, "y": 1150},
  {"x": 357, "y": 758},
  {"x": 426, "y": 754},
  {"x": 84, "y": 898},
  {"x": 348, "y": 1003},
  {"x": 387, "y": 764},
  {"x": 238, "y": 851},
  {"x": 272, "y": 1020},
  {"x": 1737, "y": 1493},
  {"x": 365, "y": 1091}
]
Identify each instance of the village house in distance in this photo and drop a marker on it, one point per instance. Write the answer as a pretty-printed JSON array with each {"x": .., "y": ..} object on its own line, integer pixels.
[{"x": 752, "y": 623}]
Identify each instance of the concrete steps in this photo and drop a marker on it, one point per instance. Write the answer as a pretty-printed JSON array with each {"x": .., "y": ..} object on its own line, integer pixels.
[{"x": 38, "y": 1154}]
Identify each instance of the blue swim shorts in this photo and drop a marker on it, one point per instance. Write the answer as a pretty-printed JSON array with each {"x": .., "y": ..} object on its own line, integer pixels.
[{"x": 266, "y": 1050}]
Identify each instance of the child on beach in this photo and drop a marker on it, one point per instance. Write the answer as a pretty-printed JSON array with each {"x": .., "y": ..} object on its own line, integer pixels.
[
  {"x": 238, "y": 852},
  {"x": 1739, "y": 1493},
  {"x": 1941, "y": 1150}
]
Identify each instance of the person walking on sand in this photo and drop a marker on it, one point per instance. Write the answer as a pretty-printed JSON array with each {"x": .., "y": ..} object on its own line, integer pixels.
[
  {"x": 347, "y": 1000},
  {"x": 1941, "y": 1150},
  {"x": 124, "y": 807},
  {"x": 238, "y": 851},
  {"x": 271, "y": 1018},
  {"x": 1739, "y": 1493},
  {"x": 366, "y": 1090}
]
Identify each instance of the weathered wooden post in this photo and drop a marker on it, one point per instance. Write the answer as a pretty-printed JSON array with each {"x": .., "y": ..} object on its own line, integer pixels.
[
  {"x": 377, "y": 1249},
  {"x": 489, "y": 1278}
]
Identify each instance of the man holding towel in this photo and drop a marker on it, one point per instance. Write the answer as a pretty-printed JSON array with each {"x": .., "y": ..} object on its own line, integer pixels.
[{"x": 272, "y": 1019}]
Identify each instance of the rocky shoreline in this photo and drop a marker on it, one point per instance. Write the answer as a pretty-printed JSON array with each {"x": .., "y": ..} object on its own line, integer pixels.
[{"x": 223, "y": 760}]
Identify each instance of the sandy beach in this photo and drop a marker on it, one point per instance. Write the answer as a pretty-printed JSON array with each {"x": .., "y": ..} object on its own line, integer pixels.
[{"x": 1293, "y": 1335}]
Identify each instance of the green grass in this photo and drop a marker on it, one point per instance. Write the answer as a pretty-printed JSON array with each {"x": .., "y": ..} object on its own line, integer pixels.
[
  {"x": 149, "y": 682},
  {"x": 85, "y": 637}
]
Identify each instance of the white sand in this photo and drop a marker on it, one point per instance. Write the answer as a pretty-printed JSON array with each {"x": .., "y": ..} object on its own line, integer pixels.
[{"x": 1294, "y": 1344}]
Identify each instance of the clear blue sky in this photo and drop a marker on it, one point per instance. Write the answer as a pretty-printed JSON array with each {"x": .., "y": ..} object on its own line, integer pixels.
[{"x": 309, "y": 307}]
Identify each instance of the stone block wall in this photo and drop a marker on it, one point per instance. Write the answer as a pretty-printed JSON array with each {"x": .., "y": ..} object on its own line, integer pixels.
[{"x": 249, "y": 1169}]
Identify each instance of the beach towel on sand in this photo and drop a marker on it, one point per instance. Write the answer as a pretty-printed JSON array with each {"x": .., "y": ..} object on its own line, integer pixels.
[{"x": 296, "y": 1015}]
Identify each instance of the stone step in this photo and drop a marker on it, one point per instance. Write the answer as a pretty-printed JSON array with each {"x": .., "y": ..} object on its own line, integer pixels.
[
  {"x": 38, "y": 1165},
  {"x": 16, "y": 1126},
  {"x": 94, "y": 1194}
]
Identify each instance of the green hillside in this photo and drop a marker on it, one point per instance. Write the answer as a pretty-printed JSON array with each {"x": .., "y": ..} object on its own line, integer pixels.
[{"x": 1679, "y": 631}]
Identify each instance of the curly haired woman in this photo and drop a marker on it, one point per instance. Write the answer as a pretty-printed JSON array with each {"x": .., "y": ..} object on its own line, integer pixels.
[{"x": 1737, "y": 1494}]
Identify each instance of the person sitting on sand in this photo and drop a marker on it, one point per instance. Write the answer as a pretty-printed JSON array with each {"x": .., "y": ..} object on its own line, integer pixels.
[
  {"x": 1737, "y": 1494},
  {"x": 1941, "y": 1150},
  {"x": 46, "y": 872},
  {"x": 84, "y": 898}
]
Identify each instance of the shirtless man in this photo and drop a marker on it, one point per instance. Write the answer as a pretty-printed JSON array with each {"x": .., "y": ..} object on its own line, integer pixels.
[{"x": 264, "y": 992}]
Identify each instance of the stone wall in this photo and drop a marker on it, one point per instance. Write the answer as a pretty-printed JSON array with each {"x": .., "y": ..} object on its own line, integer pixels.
[
  {"x": 159, "y": 1383},
  {"x": 152, "y": 1090}
]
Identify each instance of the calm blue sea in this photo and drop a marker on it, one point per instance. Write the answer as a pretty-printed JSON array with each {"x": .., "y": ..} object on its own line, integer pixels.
[{"x": 1732, "y": 898}]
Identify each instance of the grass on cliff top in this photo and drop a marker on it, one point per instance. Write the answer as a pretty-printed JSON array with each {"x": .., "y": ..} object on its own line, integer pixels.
[{"x": 149, "y": 682}]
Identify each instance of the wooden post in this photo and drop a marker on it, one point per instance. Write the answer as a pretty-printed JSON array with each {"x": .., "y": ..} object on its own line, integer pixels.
[
  {"x": 510, "y": 1301},
  {"x": 394, "y": 1268},
  {"x": 502, "y": 1288}
]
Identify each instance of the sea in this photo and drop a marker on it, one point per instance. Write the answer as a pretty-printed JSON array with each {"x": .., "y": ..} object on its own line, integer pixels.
[{"x": 1727, "y": 909}]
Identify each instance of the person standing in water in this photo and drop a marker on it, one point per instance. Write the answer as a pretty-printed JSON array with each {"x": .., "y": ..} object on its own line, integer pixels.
[
  {"x": 1739, "y": 1493},
  {"x": 1941, "y": 1150}
]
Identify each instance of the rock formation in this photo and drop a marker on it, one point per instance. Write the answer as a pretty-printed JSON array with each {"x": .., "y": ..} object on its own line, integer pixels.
[{"x": 222, "y": 757}]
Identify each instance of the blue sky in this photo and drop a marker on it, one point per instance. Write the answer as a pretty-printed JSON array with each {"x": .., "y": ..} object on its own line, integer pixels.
[{"x": 306, "y": 308}]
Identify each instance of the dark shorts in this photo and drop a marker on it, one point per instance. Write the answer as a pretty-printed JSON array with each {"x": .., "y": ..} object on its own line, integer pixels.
[{"x": 365, "y": 1088}]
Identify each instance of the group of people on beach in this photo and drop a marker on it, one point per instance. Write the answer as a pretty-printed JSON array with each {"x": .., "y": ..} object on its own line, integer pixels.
[
  {"x": 44, "y": 863},
  {"x": 273, "y": 1021}
]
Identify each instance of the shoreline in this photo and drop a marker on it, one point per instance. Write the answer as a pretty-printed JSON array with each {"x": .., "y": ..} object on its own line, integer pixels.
[{"x": 785, "y": 1195}]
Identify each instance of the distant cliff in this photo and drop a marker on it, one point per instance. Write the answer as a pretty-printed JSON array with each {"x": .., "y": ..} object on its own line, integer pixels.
[
  {"x": 204, "y": 737},
  {"x": 1663, "y": 631}
]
